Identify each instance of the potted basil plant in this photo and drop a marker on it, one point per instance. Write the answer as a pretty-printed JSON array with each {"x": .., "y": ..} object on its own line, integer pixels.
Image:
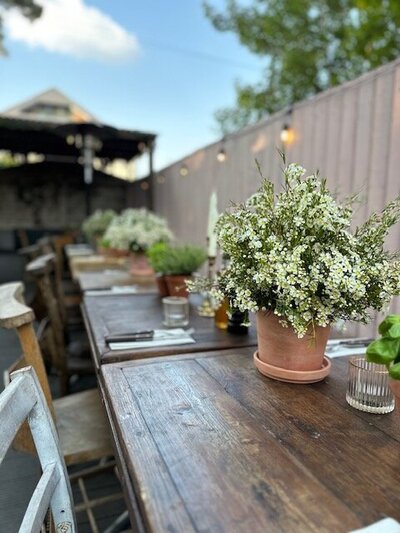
[{"x": 386, "y": 351}]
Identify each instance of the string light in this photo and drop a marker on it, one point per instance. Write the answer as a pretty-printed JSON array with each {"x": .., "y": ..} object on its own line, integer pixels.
[
  {"x": 221, "y": 156},
  {"x": 144, "y": 186},
  {"x": 287, "y": 134},
  {"x": 184, "y": 171},
  {"x": 160, "y": 179}
]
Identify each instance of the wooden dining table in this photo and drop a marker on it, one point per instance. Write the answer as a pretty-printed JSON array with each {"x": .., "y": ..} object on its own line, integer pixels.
[
  {"x": 99, "y": 272},
  {"x": 124, "y": 313},
  {"x": 204, "y": 442}
]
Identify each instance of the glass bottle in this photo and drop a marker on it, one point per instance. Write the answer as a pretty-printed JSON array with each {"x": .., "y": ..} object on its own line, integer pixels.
[
  {"x": 221, "y": 315},
  {"x": 235, "y": 323}
]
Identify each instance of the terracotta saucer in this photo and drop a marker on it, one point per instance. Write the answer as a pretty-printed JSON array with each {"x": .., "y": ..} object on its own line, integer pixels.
[{"x": 293, "y": 376}]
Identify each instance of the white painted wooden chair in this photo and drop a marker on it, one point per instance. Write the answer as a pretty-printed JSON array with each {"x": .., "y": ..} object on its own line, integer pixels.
[
  {"x": 79, "y": 418},
  {"x": 23, "y": 400}
]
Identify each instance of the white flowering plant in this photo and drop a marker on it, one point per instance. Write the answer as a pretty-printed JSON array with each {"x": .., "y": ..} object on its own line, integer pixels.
[
  {"x": 136, "y": 230},
  {"x": 294, "y": 254},
  {"x": 94, "y": 226}
]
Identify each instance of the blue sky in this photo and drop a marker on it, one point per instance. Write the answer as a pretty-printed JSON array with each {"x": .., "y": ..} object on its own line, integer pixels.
[{"x": 117, "y": 61}]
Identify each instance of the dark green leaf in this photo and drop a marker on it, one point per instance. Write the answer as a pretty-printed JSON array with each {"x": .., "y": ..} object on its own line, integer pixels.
[
  {"x": 389, "y": 321},
  {"x": 383, "y": 351},
  {"x": 394, "y": 371}
]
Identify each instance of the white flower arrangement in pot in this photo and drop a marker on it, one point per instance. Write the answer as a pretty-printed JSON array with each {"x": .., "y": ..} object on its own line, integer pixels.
[
  {"x": 295, "y": 262},
  {"x": 133, "y": 232}
]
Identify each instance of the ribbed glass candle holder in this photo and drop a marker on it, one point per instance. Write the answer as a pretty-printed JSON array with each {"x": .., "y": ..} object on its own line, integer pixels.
[{"x": 368, "y": 387}]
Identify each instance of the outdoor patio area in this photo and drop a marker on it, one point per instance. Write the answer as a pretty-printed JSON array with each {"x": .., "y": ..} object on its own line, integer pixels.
[{"x": 199, "y": 317}]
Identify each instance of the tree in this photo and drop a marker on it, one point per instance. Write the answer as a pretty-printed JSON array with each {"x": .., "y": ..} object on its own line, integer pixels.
[
  {"x": 29, "y": 8},
  {"x": 308, "y": 45}
]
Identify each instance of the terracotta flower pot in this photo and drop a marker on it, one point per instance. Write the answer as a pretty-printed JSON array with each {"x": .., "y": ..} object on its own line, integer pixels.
[
  {"x": 162, "y": 285},
  {"x": 282, "y": 355},
  {"x": 140, "y": 265},
  {"x": 113, "y": 252},
  {"x": 177, "y": 286},
  {"x": 395, "y": 386}
]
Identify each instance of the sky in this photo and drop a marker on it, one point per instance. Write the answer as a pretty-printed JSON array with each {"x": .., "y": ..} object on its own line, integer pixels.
[{"x": 151, "y": 65}]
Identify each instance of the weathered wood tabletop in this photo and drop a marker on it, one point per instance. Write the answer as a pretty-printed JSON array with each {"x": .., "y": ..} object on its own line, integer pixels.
[
  {"x": 113, "y": 277},
  {"x": 136, "y": 312},
  {"x": 206, "y": 443}
]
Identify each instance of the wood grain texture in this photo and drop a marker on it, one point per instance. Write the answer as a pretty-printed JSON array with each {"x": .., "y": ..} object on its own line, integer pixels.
[
  {"x": 13, "y": 311},
  {"x": 105, "y": 315},
  {"x": 211, "y": 445},
  {"x": 93, "y": 280}
]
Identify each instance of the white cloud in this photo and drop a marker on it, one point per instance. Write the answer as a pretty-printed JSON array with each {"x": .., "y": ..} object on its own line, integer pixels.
[{"x": 71, "y": 27}]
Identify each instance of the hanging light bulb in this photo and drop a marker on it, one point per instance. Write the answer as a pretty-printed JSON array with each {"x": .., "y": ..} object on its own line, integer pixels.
[
  {"x": 184, "y": 171},
  {"x": 285, "y": 133},
  {"x": 160, "y": 179},
  {"x": 144, "y": 186},
  {"x": 221, "y": 156}
]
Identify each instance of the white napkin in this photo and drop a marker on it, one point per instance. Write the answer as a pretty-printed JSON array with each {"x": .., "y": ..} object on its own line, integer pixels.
[
  {"x": 122, "y": 289},
  {"x": 162, "y": 337},
  {"x": 387, "y": 525},
  {"x": 335, "y": 348}
]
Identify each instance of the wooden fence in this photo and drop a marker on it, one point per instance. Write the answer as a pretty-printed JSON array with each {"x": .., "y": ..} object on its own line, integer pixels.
[{"x": 351, "y": 133}]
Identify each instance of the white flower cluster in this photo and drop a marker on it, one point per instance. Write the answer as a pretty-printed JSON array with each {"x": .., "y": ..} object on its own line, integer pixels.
[
  {"x": 137, "y": 230},
  {"x": 294, "y": 254}
]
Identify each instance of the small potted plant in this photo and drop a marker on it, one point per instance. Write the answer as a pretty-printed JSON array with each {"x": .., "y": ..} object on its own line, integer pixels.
[
  {"x": 94, "y": 226},
  {"x": 156, "y": 255},
  {"x": 386, "y": 351},
  {"x": 133, "y": 232},
  {"x": 177, "y": 264},
  {"x": 295, "y": 262}
]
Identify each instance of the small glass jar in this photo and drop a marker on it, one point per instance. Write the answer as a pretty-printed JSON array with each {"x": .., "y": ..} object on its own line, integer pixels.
[
  {"x": 176, "y": 311},
  {"x": 368, "y": 387}
]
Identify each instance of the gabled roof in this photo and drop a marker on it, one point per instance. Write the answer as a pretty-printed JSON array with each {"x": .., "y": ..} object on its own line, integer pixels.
[
  {"x": 50, "y": 106},
  {"x": 46, "y": 123}
]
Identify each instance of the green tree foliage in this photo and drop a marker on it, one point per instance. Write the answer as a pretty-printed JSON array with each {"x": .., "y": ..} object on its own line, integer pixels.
[
  {"x": 28, "y": 8},
  {"x": 308, "y": 45}
]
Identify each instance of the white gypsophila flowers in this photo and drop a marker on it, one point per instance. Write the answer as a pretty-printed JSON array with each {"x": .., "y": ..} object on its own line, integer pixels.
[
  {"x": 294, "y": 254},
  {"x": 137, "y": 230}
]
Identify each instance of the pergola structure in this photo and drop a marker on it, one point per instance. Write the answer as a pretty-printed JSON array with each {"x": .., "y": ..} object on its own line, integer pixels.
[{"x": 57, "y": 128}]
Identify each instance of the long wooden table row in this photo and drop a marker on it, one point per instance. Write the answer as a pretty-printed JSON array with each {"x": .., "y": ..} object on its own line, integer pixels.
[{"x": 206, "y": 443}]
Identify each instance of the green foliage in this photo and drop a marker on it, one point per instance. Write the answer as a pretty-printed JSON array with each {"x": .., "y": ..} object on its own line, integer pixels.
[
  {"x": 308, "y": 46},
  {"x": 176, "y": 260},
  {"x": 29, "y": 8},
  {"x": 94, "y": 226},
  {"x": 156, "y": 255},
  {"x": 386, "y": 350}
]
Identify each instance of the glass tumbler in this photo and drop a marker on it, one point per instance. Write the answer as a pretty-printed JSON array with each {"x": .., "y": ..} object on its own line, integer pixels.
[
  {"x": 176, "y": 311},
  {"x": 368, "y": 387}
]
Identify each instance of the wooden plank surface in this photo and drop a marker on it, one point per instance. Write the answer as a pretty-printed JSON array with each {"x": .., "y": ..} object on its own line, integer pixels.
[
  {"x": 212, "y": 445},
  {"x": 105, "y": 315},
  {"x": 106, "y": 279}
]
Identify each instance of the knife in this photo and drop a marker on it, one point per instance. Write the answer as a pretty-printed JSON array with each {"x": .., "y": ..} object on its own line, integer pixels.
[{"x": 130, "y": 337}]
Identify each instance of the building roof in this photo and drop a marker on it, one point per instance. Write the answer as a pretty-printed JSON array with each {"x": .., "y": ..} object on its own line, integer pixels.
[
  {"x": 50, "y": 106},
  {"x": 47, "y": 122}
]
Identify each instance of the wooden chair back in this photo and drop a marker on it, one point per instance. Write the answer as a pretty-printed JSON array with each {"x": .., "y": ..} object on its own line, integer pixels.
[
  {"x": 15, "y": 314},
  {"x": 23, "y": 400},
  {"x": 42, "y": 269}
]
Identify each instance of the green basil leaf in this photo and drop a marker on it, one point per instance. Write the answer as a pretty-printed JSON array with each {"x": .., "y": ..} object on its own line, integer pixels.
[
  {"x": 383, "y": 351},
  {"x": 389, "y": 321},
  {"x": 394, "y": 371},
  {"x": 394, "y": 331}
]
